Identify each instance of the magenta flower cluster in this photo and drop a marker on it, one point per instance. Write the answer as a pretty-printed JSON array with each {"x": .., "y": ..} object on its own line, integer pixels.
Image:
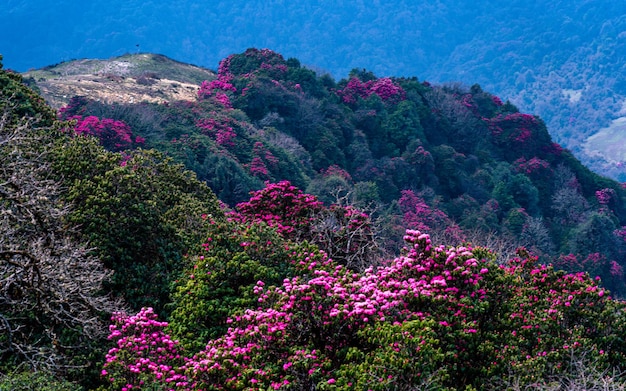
[
  {"x": 604, "y": 196},
  {"x": 220, "y": 127},
  {"x": 114, "y": 135},
  {"x": 262, "y": 158},
  {"x": 384, "y": 87},
  {"x": 530, "y": 166},
  {"x": 335, "y": 170},
  {"x": 421, "y": 216},
  {"x": 521, "y": 123},
  {"x": 217, "y": 89},
  {"x": 294, "y": 339},
  {"x": 252, "y": 63},
  {"x": 143, "y": 354},
  {"x": 280, "y": 205}
]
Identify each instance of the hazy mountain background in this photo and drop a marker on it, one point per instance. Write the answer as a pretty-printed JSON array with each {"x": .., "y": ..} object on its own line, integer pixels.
[{"x": 562, "y": 60}]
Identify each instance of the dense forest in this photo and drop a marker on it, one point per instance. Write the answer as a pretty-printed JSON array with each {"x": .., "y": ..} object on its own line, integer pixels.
[{"x": 288, "y": 231}]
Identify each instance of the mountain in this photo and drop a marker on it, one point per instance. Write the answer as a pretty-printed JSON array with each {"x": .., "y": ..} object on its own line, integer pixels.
[
  {"x": 561, "y": 60},
  {"x": 286, "y": 289},
  {"x": 452, "y": 160}
]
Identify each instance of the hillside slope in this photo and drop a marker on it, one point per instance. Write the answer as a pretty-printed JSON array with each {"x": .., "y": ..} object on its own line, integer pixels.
[
  {"x": 454, "y": 161},
  {"x": 287, "y": 290}
]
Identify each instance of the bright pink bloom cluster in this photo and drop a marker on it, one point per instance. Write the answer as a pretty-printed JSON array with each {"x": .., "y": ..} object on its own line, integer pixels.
[
  {"x": 604, "y": 196},
  {"x": 252, "y": 62},
  {"x": 419, "y": 215},
  {"x": 217, "y": 89},
  {"x": 262, "y": 157},
  {"x": 384, "y": 87},
  {"x": 143, "y": 354},
  {"x": 521, "y": 124},
  {"x": 220, "y": 127},
  {"x": 114, "y": 135},
  {"x": 283, "y": 206},
  {"x": 335, "y": 170}
]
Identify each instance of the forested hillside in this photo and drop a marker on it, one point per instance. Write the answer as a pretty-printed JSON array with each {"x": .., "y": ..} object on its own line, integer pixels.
[
  {"x": 561, "y": 60},
  {"x": 455, "y": 161},
  {"x": 284, "y": 230}
]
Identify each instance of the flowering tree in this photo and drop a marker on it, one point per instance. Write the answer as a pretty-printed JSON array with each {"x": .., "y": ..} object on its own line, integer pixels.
[
  {"x": 343, "y": 232},
  {"x": 144, "y": 356},
  {"x": 114, "y": 135},
  {"x": 217, "y": 89},
  {"x": 283, "y": 206},
  {"x": 220, "y": 127},
  {"x": 384, "y": 87},
  {"x": 446, "y": 317},
  {"x": 417, "y": 214},
  {"x": 534, "y": 165},
  {"x": 520, "y": 135},
  {"x": 262, "y": 158}
]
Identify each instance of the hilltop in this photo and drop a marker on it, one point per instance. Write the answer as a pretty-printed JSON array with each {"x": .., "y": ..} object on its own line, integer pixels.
[
  {"x": 131, "y": 78},
  {"x": 562, "y": 60}
]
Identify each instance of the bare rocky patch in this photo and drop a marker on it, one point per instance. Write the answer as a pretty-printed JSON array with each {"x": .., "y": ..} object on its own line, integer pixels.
[{"x": 127, "y": 79}]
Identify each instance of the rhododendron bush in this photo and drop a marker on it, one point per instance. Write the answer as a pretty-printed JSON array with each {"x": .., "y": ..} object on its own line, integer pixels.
[
  {"x": 448, "y": 317},
  {"x": 384, "y": 87},
  {"x": 112, "y": 134},
  {"x": 343, "y": 232}
]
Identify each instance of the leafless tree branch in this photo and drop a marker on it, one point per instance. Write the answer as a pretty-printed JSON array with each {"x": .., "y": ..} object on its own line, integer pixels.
[{"x": 50, "y": 286}]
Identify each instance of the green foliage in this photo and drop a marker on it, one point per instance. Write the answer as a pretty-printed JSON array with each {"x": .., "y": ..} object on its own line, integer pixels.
[
  {"x": 139, "y": 210},
  {"x": 24, "y": 102},
  {"x": 402, "y": 126},
  {"x": 393, "y": 356},
  {"x": 51, "y": 294},
  {"x": 593, "y": 234},
  {"x": 329, "y": 189},
  {"x": 220, "y": 282},
  {"x": 35, "y": 381}
]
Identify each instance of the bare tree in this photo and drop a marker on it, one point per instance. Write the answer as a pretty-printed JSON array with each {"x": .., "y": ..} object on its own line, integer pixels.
[
  {"x": 504, "y": 246},
  {"x": 348, "y": 235},
  {"x": 536, "y": 237},
  {"x": 463, "y": 126},
  {"x": 51, "y": 301}
]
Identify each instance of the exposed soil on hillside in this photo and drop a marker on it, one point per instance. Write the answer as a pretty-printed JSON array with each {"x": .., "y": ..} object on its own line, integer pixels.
[{"x": 126, "y": 79}]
